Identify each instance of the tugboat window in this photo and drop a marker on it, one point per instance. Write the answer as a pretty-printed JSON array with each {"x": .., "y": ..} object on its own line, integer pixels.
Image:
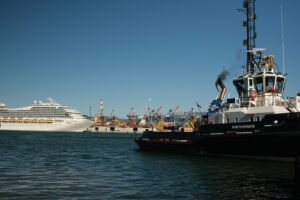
[
  {"x": 250, "y": 82},
  {"x": 240, "y": 86},
  {"x": 279, "y": 85},
  {"x": 258, "y": 84},
  {"x": 270, "y": 81}
]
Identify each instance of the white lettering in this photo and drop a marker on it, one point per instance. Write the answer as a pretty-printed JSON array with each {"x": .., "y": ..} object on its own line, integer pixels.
[{"x": 243, "y": 126}]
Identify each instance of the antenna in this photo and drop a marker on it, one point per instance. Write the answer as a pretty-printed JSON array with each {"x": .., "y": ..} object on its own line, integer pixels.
[{"x": 282, "y": 40}]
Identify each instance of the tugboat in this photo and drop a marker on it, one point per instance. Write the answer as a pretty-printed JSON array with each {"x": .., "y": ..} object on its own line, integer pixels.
[{"x": 260, "y": 122}]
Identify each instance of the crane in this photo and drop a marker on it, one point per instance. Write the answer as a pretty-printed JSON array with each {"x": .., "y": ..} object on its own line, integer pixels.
[
  {"x": 132, "y": 115},
  {"x": 112, "y": 115},
  {"x": 170, "y": 116},
  {"x": 96, "y": 116},
  {"x": 147, "y": 116},
  {"x": 157, "y": 116},
  {"x": 175, "y": 111}
]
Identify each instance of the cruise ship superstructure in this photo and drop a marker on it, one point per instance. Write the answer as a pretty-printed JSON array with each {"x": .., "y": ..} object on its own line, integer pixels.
[{"x": 41, "y": 116}]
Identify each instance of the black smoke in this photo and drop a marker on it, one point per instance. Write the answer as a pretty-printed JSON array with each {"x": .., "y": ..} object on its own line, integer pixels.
[{"x": 222, "y": 77}]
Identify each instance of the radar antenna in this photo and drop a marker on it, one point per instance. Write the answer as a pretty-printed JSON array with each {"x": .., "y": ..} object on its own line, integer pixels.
[{"x": 51, "y": 101}]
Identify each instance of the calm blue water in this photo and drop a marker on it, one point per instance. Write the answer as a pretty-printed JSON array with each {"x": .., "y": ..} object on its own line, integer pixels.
[{"x": 109, "y": 166}]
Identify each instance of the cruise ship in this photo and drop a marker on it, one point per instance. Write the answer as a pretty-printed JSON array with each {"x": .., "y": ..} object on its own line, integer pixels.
[{"x": 41, "y": 116}]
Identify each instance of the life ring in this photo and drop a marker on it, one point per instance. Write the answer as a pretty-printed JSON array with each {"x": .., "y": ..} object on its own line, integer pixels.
[
  {"x": 253, "y": 95},
  {"x": 212, "y": 122},
  {"x": 272, "y": 90}
]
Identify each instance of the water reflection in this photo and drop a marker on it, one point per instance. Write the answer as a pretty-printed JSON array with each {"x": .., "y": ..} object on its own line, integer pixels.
[{"x": 221, "y": 178}]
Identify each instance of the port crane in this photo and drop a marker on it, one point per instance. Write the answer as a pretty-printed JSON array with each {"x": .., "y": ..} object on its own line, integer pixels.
[
  {"x": 158, "y": 116},
  {"x": 170, "y": 116},
  {"x": 96, "y": 116},
  {"x": 191, "y": 115},
  {"x": 112, "y": 115},
  {"x": 147, "y": 116},
  {"x": 132, "y": 116},
  {"x": 183, "y": 117},
  {"x": 175, "y": 111}
]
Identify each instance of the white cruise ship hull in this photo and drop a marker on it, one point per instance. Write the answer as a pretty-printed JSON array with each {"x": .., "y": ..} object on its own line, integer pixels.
[
  {"x": 66, "y": 126},
  {"x": 42, "y": 117}
]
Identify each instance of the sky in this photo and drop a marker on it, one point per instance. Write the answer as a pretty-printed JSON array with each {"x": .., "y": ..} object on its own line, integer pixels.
[{"x": 135, "y": 53}]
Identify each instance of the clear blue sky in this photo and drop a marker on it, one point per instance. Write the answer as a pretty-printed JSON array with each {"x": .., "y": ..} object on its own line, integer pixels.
[{"x": 131, "y": 52}]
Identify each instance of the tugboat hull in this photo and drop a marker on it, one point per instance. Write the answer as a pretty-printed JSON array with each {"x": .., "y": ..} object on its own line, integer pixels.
[
  {"x": 171, "y": 142},
  {"x": 264, "y": 139},
  {"x": 279, "y": 144}
]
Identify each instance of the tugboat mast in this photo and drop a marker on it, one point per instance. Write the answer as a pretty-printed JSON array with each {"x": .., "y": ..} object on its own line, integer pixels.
[{"x": 252, "y": 59}]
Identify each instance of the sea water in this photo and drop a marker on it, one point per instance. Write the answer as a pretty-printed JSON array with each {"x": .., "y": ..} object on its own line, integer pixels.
[{"x": 54, "y": 165}]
